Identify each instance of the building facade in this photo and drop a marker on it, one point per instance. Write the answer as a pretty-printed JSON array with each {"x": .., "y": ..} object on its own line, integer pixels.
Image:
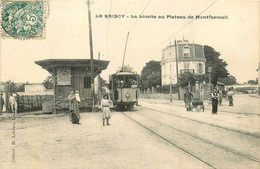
[{"x": 190, "y": 58}]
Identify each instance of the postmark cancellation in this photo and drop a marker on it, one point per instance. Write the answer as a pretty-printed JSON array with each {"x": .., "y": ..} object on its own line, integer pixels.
[{"x": 23, "y": 19}]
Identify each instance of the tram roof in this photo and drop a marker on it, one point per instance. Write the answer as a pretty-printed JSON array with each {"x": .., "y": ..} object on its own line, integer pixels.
[{"x": 123, "y": 74}]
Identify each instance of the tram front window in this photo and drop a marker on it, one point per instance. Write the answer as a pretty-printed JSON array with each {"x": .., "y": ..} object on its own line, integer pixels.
[{"x": 127, "y": 81}]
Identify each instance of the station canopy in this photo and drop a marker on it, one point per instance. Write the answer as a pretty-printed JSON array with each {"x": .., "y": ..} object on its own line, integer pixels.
[{"x": 50, "y": 64}]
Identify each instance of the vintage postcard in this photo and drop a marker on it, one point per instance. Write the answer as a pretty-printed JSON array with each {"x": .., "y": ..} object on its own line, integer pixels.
[{"x": 129, "y": 84}]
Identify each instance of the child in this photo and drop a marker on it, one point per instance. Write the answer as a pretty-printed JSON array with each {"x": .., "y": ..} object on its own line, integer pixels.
[{"x": 105, "y": 104}]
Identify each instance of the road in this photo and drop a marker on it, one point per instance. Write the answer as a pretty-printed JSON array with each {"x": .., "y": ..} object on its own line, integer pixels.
[
  {"x": 141, "y": 138},
  {"x": 243, "y": 104}
]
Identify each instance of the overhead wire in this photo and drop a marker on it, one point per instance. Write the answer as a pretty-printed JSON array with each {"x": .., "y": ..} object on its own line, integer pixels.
[
  {"x": 187, "y": 23},
  {"x": 138, "y": 17}
]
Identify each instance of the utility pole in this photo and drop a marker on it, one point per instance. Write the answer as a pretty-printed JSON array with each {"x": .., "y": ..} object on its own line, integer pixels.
[
  {"x": 210, "y": 85},
  {"x": 125, "y": 51},
  {"x": 91, "y": 56},
  {"x": 170, "y": 83},
  {"x": 99, "y": 92},
  {"x": 177, "y": 72}
]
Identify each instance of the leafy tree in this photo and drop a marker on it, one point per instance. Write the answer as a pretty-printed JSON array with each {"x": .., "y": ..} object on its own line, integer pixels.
[
  {"x": 218, "y": 65},
  {"x": 230, "y": 80},
  {"x": 14, "y": 87},
  {"x": 128, "y": 68},
  {"x": 102, "y": 82},
  {"x": 166, "y": 89},
  {"x": 252, "y": 82},
  {"x": 48, "y": 82},
  {"x": 187, "y": 78},
  {"x": 151, "y": 75}
]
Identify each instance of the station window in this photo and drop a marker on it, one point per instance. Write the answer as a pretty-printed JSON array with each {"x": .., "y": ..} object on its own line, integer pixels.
[{"x": 87, "y": 82}]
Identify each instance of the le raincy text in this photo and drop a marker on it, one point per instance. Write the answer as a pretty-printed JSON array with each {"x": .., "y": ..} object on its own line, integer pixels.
[{"x": 123, "y": 16}]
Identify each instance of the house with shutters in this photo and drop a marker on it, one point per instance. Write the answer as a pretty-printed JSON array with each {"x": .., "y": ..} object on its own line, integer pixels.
[{"x": 190, "y": 58}]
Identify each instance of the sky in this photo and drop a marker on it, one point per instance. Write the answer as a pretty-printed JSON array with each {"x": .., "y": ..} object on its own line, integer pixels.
[{"x": 66, "y": 32}]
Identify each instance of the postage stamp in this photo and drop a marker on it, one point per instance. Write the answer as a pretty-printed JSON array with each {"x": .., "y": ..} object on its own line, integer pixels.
[{"x": 23, "y": 19}]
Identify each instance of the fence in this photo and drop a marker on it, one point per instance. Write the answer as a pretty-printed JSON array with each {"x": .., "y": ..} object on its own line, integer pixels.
[{"x": 29, "y": 102}]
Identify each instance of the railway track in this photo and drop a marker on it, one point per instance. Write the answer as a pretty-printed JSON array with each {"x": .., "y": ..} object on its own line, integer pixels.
[
  {"x": 237, "y": 131},
  {"x": 183, "y": 148}
]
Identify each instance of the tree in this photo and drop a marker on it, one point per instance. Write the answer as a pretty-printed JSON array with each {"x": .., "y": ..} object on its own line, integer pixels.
[
  {"x": 128, "y": 68},
  {"x": 252, "y": 82},
  {"x": 230, "y": 80},
  {"x": 151, "y": 75},
  {"x": 186, "y": 79},
  {"x": 218, "y": 65},
  {"x": 48, "y": 82},
  {"x": 15, "y": 87},
  {"x": 102, "y": 82}
]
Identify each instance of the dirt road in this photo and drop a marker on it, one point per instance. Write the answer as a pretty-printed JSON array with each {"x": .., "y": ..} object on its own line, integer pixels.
[{"x": 52, "y": 142}]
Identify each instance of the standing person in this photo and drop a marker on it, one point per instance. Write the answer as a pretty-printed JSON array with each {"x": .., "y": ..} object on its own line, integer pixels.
[
  {"x": 2, "y": 103},
  {"x": 13, "y": 103},
  {"x": 74, "y": 107},
  {"x": 188, "y": 96},
  {"x": 230, "y": 97},
  {"x": 220, "y": 96},
  {"x": 105, "y": 104},
  {"x": 10, "y": 103},
  {"x": 215, "y": 97}
]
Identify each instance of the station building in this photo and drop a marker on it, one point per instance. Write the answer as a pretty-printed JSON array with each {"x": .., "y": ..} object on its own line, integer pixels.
[{"x": 71, "y": 75}]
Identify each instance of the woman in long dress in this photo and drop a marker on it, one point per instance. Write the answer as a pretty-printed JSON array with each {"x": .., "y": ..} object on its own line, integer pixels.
[{"x": 73, "y": 107}]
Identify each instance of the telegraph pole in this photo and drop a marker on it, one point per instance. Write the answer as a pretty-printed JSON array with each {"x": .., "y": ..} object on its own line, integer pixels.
[
  {"x": 170, "y": 83},
  {"x": 177, "y": 72},
  {"x": 210, "y": 85},
  {"x": 99, "y": 92},
  {"x": 91, "y": 56}
]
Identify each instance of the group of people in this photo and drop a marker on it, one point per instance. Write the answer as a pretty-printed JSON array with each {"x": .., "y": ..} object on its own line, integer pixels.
[
  {"x": 12, "y": 103},
  {"x": 216, "y": 96},
  {"x": 74, "y": 101}
]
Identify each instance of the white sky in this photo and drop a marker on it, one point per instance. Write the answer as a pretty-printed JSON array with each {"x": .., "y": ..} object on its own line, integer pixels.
[{"x": 237, "y": 39}]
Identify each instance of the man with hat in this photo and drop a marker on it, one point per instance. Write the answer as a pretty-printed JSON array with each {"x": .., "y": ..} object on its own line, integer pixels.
[{"x": 188, "y": 96}]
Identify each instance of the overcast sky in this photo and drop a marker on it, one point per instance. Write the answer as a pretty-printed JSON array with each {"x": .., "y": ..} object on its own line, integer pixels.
[{"x": 236, "y": 38}]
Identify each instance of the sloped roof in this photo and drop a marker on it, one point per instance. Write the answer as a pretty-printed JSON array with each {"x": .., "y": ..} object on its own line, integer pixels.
[{"x": 49, "y": 64}]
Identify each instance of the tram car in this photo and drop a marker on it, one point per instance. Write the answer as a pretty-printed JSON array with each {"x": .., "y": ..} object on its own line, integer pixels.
[{"x": 124, "y": 89}]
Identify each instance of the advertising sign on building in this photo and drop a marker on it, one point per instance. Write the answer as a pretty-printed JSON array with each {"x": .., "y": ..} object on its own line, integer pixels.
[{"x": 64, "y": 76}]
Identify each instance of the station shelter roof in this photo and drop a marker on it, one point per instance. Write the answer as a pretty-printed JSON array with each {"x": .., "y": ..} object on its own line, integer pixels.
[{"x": 49, "y": 64}]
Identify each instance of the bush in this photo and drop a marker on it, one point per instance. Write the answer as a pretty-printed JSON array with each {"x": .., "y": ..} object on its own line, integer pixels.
[{"x": 166, "y": 89}]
